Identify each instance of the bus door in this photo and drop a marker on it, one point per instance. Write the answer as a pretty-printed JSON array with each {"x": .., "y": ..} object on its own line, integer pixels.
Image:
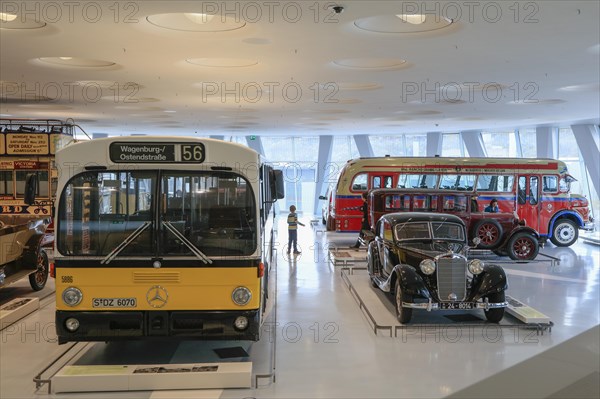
[
  {"x": 528, "y": 200},
  {"x": 382, "y": 181}
]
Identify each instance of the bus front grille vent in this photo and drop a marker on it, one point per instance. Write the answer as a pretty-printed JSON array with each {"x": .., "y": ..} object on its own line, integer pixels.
[{"x": 155, "y": 277}]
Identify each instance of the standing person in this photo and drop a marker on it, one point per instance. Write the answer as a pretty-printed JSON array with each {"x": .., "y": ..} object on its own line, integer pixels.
[
  {"x": 493, "y": 206},
  {"x": 365, "y": 219},
  {"x": 293, "y": 223}
]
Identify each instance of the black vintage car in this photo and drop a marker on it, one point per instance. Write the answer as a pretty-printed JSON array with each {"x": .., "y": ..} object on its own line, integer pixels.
[{"x": 420, "y": 258}]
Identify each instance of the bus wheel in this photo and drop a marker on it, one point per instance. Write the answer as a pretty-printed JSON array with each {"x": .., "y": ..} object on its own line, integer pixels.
[
  {"x": 489, "y": 232},
  {"x": 38, "y": 279},
  {"x": 565, "y": 233},
  {"x": 523, "y": 246}
]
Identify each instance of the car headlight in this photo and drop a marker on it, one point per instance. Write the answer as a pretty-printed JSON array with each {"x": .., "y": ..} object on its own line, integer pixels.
[
  {"x": 476, "y": 266},
  {"x": 427, "y": 266},
  {"x": 72, "y": 296},
  {"x": 241, "y": 296}
]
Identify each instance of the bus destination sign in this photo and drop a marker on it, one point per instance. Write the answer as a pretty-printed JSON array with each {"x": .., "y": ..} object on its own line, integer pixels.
[{"x": 128, "y": 152}]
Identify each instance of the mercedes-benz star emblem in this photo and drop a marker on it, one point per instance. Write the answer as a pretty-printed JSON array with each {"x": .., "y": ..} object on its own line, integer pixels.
[{"x": 157, "y": 296}]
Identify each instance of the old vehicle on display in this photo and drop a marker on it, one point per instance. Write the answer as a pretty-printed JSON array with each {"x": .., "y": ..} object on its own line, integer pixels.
[
  {"x": 21, "y": 251},
  {"x": 420, "y": 259},
  {"x": 27, "y": 148},
  {"x": 500, "y": 232},
  {"x": 163, "y": 237},
  {"x": 538, "y": 190}
]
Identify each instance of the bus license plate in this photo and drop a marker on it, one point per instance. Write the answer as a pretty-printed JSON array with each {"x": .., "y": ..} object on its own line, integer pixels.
[
  {"x": 456, "y": 305},
  {"x": 114, "y": 302}
]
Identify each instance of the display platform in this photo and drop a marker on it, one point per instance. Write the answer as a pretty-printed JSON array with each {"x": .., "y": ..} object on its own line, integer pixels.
[
  {"x": 16, "y": 309},
  {"x": 152, "y": 377},
  {"x": 154, "y": 365},
  {"x": 347, "y": 257},
  {"x": 380, "y": 312}
]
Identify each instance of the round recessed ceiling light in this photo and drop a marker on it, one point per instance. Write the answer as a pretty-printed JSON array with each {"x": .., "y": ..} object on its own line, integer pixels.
[
  {"x": 403, "y": 23},
  {"x": 7, "y": 17},
  {"x": 46, "y": 107},
  {"x": 11, "y": 21},
  {"x": 130, "y": 100},
  {"x": 356, "y": 85},
  {"x": 198, "y": 17},
  {"x": 415, "y": 19},
  {"x": 549, "y": 101},
  {"x": 257, "y": 40},
  {"x": 327, "y": 111},
  {"x": 74, "y": 62},
  {"x": 222, "y": 62},
  {"x": 418, "y": 112},
  {"x": 580, "y": 88},
  {"x": 196, "y": 22},
  {"x": 373, "y": 64}
]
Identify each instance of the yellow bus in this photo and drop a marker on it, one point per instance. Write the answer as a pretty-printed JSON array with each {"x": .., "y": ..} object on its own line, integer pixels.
[{"x": 163, "y": 237}]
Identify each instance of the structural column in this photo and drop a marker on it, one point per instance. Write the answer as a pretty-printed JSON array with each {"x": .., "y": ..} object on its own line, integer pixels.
[
  {"x": 434, "y": 144},
  {"x": 255, "y": 143},
  {"x": 364, "y": 145},
  {"x": 546, "y": 139},
  {"x": 584, "y": 135},
  {"x": 474, "y": 143},
  {"x": 325, "y": 146}
]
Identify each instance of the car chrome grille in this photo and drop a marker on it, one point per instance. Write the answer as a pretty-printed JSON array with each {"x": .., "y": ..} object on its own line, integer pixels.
[{"x": 452, "y": 278}]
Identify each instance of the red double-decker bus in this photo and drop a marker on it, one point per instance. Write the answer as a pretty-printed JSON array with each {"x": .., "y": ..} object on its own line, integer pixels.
[{"x": 537, "y": 189}]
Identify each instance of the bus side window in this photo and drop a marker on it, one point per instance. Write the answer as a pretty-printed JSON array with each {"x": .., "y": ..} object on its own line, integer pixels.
[
  {"x": 522, "y": 196},
  {"x": 376, "y": 182},
  {"x": 388, "y": 182},
  {"x": 533, "y": 190},
  {"x": 549, "y": 184},
  {"x": 359, "y": 183}
]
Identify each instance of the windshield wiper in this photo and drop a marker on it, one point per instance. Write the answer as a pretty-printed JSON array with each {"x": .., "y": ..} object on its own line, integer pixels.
[
  {"x": 187, "y": 242},
  {"x": 130, "y": 238}
]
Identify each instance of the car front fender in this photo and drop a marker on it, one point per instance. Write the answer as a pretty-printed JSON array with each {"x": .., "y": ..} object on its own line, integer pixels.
[
  {"x": 411, "y": 281},
  {"x": 490, "y": 281}
]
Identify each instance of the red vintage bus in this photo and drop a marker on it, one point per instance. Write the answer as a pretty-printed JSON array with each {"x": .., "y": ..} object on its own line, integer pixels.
[{"x": 537, "y": 189}]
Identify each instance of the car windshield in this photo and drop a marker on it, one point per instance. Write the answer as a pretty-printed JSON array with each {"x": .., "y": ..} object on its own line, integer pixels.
[{"x": 427, "y": 231}]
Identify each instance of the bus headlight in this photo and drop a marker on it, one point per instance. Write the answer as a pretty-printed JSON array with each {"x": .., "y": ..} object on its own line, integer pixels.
[
  {"x": 72, "y": 324},
  {"x": 241, "y": 296},
  {"x": 240, "y": 323},
  {"x": 72, "y": 296},
  {"x": 427, "y": 266},
  {"x": 476, "y": 266}
]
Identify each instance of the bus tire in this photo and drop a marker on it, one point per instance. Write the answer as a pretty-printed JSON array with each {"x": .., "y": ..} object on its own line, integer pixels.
[
  {"x": 38, "y": 279},
  {"x": 564, "y": 233},
  {"x": 489, "y": 231},
  {"x": 523, "y": 246}
]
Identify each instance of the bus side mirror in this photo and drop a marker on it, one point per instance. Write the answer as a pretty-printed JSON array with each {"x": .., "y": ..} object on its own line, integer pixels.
[
  {"x": 31, "y": 187},
  {"x": 277, "y": 184}
]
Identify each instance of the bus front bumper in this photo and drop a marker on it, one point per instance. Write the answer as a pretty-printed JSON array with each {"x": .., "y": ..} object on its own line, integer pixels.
[{"x": 141, "y": 325}]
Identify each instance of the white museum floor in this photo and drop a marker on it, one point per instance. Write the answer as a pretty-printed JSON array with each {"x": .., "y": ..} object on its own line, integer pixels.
[{"x": 327, "y": 348}]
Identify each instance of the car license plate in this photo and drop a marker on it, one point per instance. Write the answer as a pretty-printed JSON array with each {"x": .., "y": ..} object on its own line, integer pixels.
[
  {"x": 456, "y": 305},
  {"x": 114, "y": 302}
]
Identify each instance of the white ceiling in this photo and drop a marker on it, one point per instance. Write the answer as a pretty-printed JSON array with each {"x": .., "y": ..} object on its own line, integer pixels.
[{"x": 545, "y": 61}]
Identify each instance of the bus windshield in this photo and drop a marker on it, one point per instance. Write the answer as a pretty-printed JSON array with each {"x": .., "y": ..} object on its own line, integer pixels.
[{"x": 157, "y": 213}]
